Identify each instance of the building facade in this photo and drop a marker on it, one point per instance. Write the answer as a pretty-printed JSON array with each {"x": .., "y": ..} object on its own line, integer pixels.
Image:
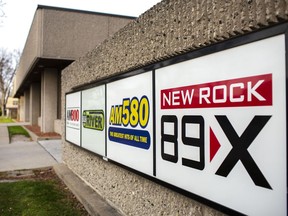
[
  {"x": 151, "y": 114},
  {"x": 56, "y": 38}
]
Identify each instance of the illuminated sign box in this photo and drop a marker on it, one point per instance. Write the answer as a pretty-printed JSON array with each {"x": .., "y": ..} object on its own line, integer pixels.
[
  {"x": 93, "y": 118},
  {"x": 129, "y": 119},
  {"x": 73, "y": 118},
  {"x": 220, "y": 127},
  {"x": 213, "y": 126}
]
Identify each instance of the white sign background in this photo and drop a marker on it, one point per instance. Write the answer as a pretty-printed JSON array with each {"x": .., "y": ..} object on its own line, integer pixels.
[
  {"x": 236, "y": 191},
  {"x": 94, "y": 99},
  {"x": 73, "y": 102},
  {"x": 134, "y": 157}
]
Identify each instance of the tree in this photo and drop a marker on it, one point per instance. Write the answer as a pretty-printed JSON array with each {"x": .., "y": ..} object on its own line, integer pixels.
[
  {"x": 8, "y": 64},
  {"x": 2, "y": 14}
]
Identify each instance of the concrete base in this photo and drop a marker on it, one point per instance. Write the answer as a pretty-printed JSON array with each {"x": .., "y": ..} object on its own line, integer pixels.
[
  {"x": 58, "y": 126},
  {"x": 93, "y": 202}
]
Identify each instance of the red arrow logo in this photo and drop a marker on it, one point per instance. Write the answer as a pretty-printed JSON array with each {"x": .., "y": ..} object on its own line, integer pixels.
[{"x": 214, "y": 144}]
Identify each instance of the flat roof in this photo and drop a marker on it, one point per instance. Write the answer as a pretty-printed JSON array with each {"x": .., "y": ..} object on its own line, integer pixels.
[{"x": 83, "y": 11}]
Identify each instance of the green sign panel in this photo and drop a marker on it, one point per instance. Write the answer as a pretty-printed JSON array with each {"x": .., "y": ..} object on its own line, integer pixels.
[{"x": 93, "y": 119}]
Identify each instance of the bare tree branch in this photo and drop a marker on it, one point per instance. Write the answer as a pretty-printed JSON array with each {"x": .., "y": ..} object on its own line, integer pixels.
[
  {"x": 8, "y": 64},
  {"x": 2, "y": 13}
]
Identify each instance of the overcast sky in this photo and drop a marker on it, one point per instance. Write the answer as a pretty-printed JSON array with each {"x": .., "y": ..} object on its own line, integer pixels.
[{"x": 15, "y": 25}]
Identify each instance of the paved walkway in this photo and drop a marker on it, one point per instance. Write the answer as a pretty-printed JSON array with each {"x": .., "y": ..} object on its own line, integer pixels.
[
  {"x": 53, "y": 147},
  {"x": 27, "y": 155},
  {"x": 4, "y": 136},
  {"x": 24, "y": 155},
  {"x": 15, "y": 124}
]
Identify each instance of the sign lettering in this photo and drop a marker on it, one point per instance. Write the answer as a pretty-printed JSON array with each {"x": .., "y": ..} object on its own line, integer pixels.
[
  {"x": 239, "y": 150},
  {"x": 131, "y": 112},
  {"x": 93, "y": 119},
  {"x": 248, "y": 91}
]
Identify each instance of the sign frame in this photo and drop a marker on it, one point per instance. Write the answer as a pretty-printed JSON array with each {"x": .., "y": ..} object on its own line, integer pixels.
[
  {"x": 93, "y": 101},
  {"x": 220, "y": 46},
  {"x": 79, "y": 116},
  {"x": 133, "y": 144},
  {"x": 194, "y": 114}
]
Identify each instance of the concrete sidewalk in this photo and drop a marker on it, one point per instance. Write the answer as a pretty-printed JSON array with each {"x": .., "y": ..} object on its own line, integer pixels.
[
  {"x": 4, "y": 136},
  {"x": 27, "y": 155},
  {"x": 53, "y": 147},
  {"x": 24, "y": 155},
  {"x": 15, "y": 124}
]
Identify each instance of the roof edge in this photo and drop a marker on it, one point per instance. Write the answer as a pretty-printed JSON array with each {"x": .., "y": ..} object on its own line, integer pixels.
[{"x": 82, "y": 11}]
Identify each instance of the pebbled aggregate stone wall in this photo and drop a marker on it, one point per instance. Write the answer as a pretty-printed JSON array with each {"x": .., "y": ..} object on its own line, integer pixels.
[{"x": 170, "y": 28}]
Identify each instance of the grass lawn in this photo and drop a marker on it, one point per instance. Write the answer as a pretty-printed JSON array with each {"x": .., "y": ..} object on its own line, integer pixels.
[
  {"x": 5, "y": 120},
  {"x": 38, "y": 196},
  {"x": 17, "y": 130}
]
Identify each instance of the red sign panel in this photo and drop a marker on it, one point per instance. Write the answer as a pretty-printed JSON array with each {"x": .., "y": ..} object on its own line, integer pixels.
[{"x": 248, "y": 91}]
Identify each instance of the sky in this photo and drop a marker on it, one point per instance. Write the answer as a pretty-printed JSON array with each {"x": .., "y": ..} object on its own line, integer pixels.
[{"x": 14, "y": 27}]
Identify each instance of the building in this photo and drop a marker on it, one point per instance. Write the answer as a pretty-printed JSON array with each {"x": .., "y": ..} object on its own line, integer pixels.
[
  {"x": 56, "y": 38},
  {"x": 194, "y": 97},
  {"x": 12, "y": 107}
]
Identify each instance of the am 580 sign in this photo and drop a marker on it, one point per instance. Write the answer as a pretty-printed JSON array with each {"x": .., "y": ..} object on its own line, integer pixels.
[{"x": 220, "y": 127}]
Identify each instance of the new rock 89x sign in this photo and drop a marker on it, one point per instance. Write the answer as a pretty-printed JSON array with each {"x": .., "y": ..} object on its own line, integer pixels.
[{"x": 220, "y": 127}]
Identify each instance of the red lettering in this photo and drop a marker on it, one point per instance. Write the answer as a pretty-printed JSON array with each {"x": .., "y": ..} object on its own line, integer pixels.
[{"x": 73, "y": 115}]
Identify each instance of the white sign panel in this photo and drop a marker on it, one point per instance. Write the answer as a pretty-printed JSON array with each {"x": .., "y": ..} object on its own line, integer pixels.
[
  {"x": 93, "y": 119},
  {"x": 221, "y": 127},
  {"x": 73, "y": 117},
  {"x": 129, "y": 122}
]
